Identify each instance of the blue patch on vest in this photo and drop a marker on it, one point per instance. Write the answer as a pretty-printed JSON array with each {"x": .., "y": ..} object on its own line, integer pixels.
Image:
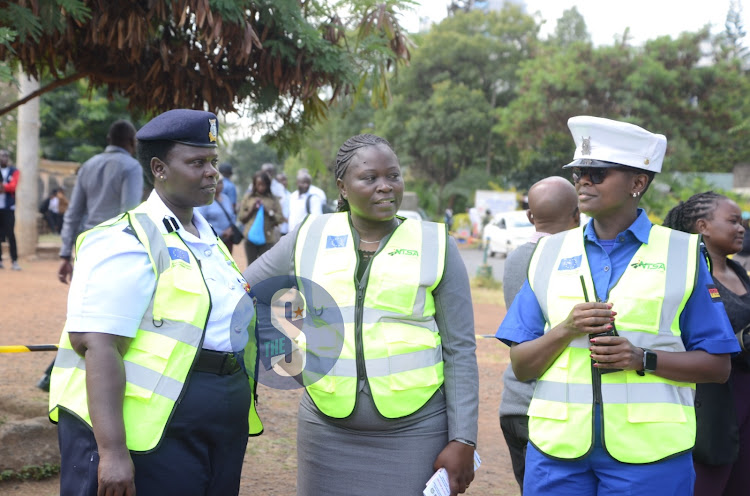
[
  {"x": 179, "y": 254},
  {"x": 570, "y": 263},
  {"x": 337, "y": 241}
]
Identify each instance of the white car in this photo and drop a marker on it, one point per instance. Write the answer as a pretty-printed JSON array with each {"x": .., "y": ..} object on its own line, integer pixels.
[{"x": 506, "y": 232}]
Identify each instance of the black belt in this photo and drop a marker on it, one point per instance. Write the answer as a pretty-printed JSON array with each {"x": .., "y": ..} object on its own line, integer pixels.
[{"x": 217, "y": 362}]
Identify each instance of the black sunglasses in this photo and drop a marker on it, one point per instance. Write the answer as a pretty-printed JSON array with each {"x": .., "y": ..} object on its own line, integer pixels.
[{"x": 596, "y": 174}]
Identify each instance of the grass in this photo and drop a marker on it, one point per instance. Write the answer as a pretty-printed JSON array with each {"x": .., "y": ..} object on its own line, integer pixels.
[
  {"x": 486, "y": 291},
  {"x": 31, "y": 472}
]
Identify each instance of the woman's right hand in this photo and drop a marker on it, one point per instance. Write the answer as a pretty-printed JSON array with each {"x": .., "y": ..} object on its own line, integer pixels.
[
  {"x": 588, "y": 318},
  {"x": 532, "y": 358},
  {"x": 116, "y": 473}
]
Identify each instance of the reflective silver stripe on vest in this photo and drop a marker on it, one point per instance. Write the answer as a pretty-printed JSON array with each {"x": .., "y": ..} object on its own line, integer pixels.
[
  {"x": 563, "y": 392},
  {"x": 311, "y": 246},
  {"x": 137, "y": 375},
  {"x": 183, "y": 332},
  {"x": 374, "y": 316},
  {"x": 661, "y": 341},
  {"x": 382, "y": 367},
  {"x": 428, "y": 267},
  {"x": 677, "y": 261},
  {"x": 150, "y": 380},
  {"x": 657, "y": 392},
  {"x": 647, "y": 392},
  {"x": 67, "y": 358},
  {"x": 545, "y": 266},
  {"x": 157, "y": 245}
]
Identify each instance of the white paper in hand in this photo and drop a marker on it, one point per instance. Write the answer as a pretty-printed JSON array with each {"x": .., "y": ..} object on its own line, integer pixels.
[{"x": 439, "y": 485}]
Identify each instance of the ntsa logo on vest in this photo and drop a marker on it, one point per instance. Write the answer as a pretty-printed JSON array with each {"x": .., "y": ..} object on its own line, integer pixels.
[
  {"x": 403, "y": 251},
  {"x": 640, "y": 264}
]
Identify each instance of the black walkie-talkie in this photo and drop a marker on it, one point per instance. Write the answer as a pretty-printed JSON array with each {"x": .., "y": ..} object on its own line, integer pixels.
[{"x": 611, "y": 332}]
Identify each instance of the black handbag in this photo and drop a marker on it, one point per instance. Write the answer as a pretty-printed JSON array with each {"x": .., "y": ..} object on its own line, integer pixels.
[{"x": 236, "y": 233}]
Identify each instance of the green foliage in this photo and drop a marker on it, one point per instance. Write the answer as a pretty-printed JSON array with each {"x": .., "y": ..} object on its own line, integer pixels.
[
  {"x": 247, "y": 156},
  {"x": 441, "y": 120},
  {"x": 664, "y": 87},
  {"x": 668, "y": 190},
  {"x": 31, "y": 472},
  {"x": 75, "y": 121},
  {"x": 570, "y": 28}
]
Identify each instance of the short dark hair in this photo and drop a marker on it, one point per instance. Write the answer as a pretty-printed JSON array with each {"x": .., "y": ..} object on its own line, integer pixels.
[
  {"x": 146, "y": 150},
  {"x": 121, "y": 133}
]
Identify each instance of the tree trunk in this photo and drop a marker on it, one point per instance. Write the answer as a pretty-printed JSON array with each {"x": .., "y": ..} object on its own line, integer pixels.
[{"x": 27, "y": 161}]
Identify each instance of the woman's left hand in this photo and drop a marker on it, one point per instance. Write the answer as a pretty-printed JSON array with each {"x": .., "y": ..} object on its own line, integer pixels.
[
  {"x": 615, "y": 352},
  {"x": 458, "y": 460}
]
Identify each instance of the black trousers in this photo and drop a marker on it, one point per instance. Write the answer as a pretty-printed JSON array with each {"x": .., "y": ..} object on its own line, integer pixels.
[
  {"x": 7, "y": 231},
  {"x": 516, "y": 432},
  {"x": 201, "y": 454}
]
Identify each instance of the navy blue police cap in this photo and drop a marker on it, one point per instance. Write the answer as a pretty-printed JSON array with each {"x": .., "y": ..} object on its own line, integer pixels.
[{"x": 189, "y": 127}]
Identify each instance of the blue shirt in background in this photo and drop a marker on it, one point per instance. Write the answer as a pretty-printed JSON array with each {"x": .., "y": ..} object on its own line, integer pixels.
[
  {"x": 230, "y": 191},
  {"x": 216, "y": 216}
]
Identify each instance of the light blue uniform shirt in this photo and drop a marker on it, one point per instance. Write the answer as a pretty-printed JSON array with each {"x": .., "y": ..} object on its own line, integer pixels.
[
  {"x": 703, "y": 323},
  {"x": 113, "y": 283}
]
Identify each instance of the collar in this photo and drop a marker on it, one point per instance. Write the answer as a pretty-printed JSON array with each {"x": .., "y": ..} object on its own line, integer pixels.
[
  {"x": 163, "y": 216},
  {"x": 639, "y": 229},
  {"x": 116, "y": 149},
  {"x": 534, "y": 238}
]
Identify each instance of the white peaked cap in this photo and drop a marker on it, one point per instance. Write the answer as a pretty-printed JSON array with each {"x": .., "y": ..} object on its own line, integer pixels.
[{"x": 606, "y": 143}]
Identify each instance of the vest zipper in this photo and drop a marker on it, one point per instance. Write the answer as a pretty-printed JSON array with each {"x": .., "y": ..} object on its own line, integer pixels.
[
  {"x": 596, "y": 382},
  {"x": 359, "y": 349}
]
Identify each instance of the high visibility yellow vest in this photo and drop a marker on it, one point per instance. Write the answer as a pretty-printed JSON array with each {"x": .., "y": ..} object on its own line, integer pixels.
[
  {"x": 644, "y": 418},
  {"x": 391, "y": 336},
  {"x": 160, "y": 356}
]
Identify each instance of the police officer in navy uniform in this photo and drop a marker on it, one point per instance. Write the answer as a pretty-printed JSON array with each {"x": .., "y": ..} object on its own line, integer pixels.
[{"x": 150, "y": 388}]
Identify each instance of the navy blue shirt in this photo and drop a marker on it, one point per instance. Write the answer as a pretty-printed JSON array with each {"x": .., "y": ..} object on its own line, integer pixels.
[{"x": 703, "y": 323}]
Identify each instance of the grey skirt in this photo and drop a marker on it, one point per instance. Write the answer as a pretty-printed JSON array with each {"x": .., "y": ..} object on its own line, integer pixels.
[{"x": 367, "y": 454}]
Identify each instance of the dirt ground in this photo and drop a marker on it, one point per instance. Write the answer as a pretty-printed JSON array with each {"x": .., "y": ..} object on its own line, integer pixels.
[{"x": 33, "y": 312}]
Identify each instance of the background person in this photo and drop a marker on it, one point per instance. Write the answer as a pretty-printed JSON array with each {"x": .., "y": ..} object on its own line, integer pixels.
[
  {"x": 148, "y": 388},
  {"x": 302, "y": 202},
  {"x": 553, "y": 208},
  {"x": 722, "y": 448},
  {"x": 742, "y": 257},
  {"x": 220, "y": 215},
  {"x": 380, "y": 432},
  {"x": 284, "y": 227},
  {"x": 618, "y": 273},
  {"x": 272, "y": 215},
  {"x": 107, "y": 185},
  {"x": 9, "y": 176},
  {"x": 230, "y": 190}
]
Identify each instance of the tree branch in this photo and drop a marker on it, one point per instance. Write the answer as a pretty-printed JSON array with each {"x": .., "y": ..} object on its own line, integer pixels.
[{"x": 53, "y": 85}]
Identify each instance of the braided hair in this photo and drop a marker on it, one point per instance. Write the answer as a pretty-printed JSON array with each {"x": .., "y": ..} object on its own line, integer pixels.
[
  {"x": 699, "y": 206},
  {"x": 347, "y": 152}
]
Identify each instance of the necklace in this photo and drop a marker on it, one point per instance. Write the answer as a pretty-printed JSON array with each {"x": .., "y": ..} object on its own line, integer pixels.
[{"x": 371, "y": 242}]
